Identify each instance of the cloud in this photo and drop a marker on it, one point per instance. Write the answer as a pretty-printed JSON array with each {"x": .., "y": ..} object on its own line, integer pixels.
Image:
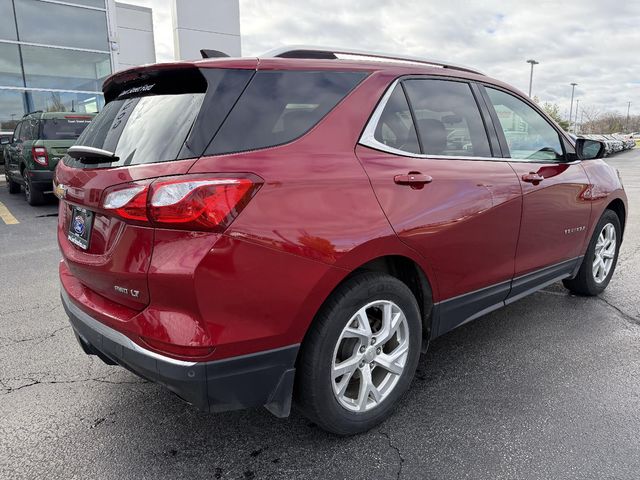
[{"x": 591, "y": 42}]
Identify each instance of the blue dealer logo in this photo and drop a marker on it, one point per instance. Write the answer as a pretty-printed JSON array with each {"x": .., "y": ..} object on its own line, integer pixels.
[{"x": 78, "y": 225}]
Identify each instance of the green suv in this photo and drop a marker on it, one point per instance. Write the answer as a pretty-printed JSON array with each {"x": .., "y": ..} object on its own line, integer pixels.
[{"x": 39, "y": 141}]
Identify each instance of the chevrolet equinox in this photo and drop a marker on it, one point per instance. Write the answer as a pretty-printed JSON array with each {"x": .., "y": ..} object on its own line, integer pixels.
[{"x": 296, "y": 228}]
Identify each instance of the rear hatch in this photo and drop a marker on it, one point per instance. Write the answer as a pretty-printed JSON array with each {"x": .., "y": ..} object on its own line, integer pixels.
[
  {"x": 58, "y": 133},
  {"x": 157, "y": 121}
]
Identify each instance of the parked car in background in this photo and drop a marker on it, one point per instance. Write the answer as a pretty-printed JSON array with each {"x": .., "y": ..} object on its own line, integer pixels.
[
  {"x": 609, "y": 146},
  {"x": 32, "y": 153},
  {"x": 5, "y": 138},
  {"x": 251, "y": 232},
  {"x": 616, "y": 143}
]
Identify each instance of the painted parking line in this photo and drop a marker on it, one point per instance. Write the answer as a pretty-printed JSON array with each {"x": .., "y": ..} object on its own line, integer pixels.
[{"x": 6, "y": 215}]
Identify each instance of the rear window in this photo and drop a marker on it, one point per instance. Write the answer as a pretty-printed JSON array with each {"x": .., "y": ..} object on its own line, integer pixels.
[
  {"x": 144, "y": 129},
  {"x": 180, "y": 114},
  {"x": 163, "y": 115},
  {"x": 280, "y": 106},
  {"x": 68, "y": 128}
]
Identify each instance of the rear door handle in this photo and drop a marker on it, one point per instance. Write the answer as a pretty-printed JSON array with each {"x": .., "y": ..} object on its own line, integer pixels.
[
  {"x": 413, "y": 179},
  {"x": 532, "y": 177}
]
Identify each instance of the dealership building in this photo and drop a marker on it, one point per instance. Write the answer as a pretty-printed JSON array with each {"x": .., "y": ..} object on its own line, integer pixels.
[{"x": 55, "y": 55}]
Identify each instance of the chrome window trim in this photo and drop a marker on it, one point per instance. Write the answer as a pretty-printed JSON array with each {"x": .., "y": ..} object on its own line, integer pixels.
[{"x": 368, "y": 139}]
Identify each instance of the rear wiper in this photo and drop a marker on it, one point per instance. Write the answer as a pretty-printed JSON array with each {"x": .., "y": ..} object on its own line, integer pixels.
[{"x": 91, "y": 154}]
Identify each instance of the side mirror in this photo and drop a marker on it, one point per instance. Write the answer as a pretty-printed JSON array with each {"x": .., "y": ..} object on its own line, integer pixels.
[
  {"x": 589, "y": 149},
  {"x": 5, "y": 141}
]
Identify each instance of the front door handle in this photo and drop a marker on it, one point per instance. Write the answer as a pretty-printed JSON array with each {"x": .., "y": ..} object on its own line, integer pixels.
[
  {"x": 415, "y": 180},
  {"x": 532, "y": 177}
]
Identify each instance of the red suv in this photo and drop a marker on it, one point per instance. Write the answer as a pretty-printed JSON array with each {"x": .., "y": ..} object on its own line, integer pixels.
[{"x": 299, "y": 226}]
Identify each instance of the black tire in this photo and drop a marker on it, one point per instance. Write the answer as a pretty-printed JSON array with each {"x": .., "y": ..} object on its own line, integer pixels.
[
  {"x": 585, "y": 282},
  {"x": 34, "y": 196},
  {"x": 314, "y": 389},
  {"x": 14, "y": 187}
]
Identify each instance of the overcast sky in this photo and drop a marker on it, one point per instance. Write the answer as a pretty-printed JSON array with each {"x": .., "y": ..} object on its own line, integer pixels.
[{"x": 594, "y": 43}]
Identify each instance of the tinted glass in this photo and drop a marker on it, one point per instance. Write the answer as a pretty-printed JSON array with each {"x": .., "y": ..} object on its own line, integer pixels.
[
  {"x": 10, "y": 72},
  {"x": 63, "y": 25},
  {"x": 528, "y": 134},
  {"x": 29, "y": 130},
  {"x": 66, "y": 101},
  {"x": 143, "y": 129},
  {"x": 12, "y": 109},
  {"x": 65, "y": 69},
  {"x": 395, "y": 127},
  {"x": 279, "y": 106},
  {"x": 16, "y": 132},
  {"x": 447, "y": 118},
  {"x": 68, "y": 128},
  {"x": 7, "y": 24}
]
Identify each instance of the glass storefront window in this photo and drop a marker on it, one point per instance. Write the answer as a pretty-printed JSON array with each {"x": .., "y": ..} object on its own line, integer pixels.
[
  {"x": 62, "y": 25},
  {"x": 12, "y": 108},
  {"x": 88, "y": 3},
  {"x": 10, "y": 71},
  {"x": 7, "y": 24},
  {"x": 65, "y": 101},
  {"x": 65, "y": 69}
]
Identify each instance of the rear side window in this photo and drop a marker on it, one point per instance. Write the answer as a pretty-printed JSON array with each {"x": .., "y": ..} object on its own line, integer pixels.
[
  {"x": 395, "y": 128},
  {"x": 68, "y": 128},
  {"x": 29, "y": 130},
  {"x": 280, "y": 106},
  {"x": 447, "y": 118}
]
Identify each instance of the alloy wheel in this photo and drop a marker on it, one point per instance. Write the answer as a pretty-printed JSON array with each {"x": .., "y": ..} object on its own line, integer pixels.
[
  {"x": 604, "y": 253},
  {"x": 370, "y": 356}
]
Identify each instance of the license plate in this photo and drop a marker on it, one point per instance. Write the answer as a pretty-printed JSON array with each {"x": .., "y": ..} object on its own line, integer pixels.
[{"x": 80, "y": 227}]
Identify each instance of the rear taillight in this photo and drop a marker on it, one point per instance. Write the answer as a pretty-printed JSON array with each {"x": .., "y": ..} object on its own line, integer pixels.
[
  {"x": 192, "y": 202},
  {"x": 40, "y": 156},
  {"x": 128, "y": 202}
]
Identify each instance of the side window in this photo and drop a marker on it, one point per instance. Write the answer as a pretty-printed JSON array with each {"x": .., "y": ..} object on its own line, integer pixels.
[
  {"x": 529, "y": 136},
  {"x": 448, "y": 119},
  {"x": 280, "y": 106},
  {"x": 29, "y": 130},
  {"x": 16, "y": 132},
  {"x": 395, "y": 127}
]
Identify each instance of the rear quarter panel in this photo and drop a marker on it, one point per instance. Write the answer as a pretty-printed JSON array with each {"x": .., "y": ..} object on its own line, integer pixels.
[{"x": 314, "y": 220}]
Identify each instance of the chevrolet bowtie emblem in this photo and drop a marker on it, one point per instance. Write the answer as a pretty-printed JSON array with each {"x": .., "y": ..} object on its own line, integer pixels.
[{"x": 59, "y": 190}]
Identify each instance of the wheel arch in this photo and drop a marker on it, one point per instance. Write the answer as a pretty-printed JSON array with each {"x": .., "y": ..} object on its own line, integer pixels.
[
  {"x": 405, "y": 269},
  {"x": 618, "y": 207}
]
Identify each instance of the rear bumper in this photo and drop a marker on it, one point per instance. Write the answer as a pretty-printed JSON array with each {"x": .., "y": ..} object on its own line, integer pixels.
[
  {"x": 41, "y": 179},
  {"x": 260, "y": 379}
]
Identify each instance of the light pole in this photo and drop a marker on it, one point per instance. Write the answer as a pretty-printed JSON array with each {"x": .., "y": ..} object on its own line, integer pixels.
[
  {"x": 573, "y": 88},
  {"x": 628, "y": 107},
  {"x": 575, "y": 117},
  {"x": 532, "y": 62}
]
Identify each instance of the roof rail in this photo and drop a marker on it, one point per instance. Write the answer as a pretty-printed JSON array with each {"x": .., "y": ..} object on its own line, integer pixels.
[
  {"x": 329, "y": 53},
  {"x": 31, "y": 113}
]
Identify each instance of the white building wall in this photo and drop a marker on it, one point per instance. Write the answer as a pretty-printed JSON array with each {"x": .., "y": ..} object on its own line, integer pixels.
[
  {"x": 208, "y": 24},
  {"x": 136, "y": 44}
]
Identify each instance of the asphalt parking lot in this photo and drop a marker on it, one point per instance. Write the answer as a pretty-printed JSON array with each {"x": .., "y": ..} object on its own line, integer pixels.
[{"x": 548, "y": 387}]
